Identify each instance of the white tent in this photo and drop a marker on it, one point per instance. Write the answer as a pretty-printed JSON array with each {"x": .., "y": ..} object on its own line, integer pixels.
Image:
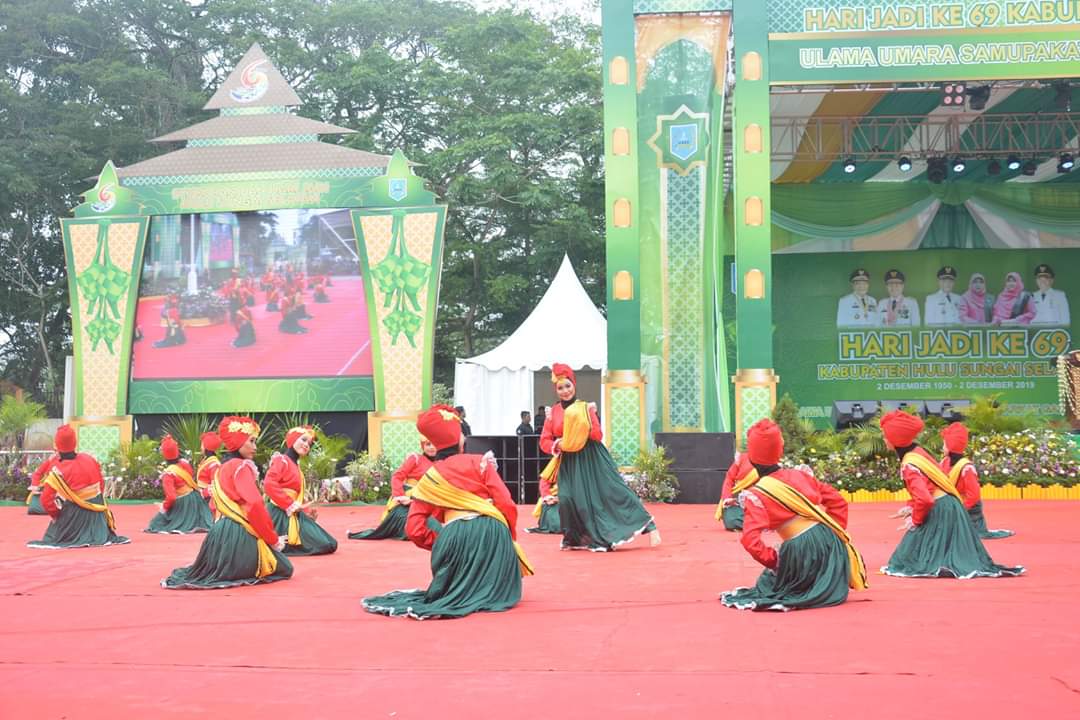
[{"x": 564, "y": 327}]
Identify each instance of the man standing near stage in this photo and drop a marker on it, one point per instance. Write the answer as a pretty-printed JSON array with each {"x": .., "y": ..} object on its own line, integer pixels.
[
  {"x": 857, "y": 309},
  {"x": 943, "y": 307},
  {"x": 897, "y": 310}
]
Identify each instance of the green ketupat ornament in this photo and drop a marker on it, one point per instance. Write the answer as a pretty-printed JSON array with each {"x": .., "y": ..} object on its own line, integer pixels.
[
  {"x": 401, "y": 277},
  {"x": 103, "y": 284}
]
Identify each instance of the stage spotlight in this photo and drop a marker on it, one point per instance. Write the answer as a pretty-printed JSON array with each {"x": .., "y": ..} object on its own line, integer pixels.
[
  {"x": 978, "y": 97},
  {"x": 849, "y": 165},
  {"x": 1029, "y": 168},
  {"x": 952, "y": 94},
  {"x": 958, "y": 165},
  {"x": 994, "y": 168},
  {"x": 1066, "y": 161},
  {"x": 1063, "y": 96},
  {"x": 904, "y": 164},
  {"x": 1013, "y": 163},
  {"x": 937, "y": 170}
]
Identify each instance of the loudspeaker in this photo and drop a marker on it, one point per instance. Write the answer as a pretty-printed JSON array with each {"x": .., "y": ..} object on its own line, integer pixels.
[
  {"x": 699, "y": 486},
  {"x": 698, "y": 451},
  {"x": 846, "y": 413},
  {"x": 889, "y": 405},
  {"x": 947, "y": 409},
  {"x": 505, "y": 449}
]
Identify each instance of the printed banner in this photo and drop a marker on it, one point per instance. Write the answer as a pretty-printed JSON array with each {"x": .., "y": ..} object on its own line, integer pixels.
[{"x": 941, "y": 325}]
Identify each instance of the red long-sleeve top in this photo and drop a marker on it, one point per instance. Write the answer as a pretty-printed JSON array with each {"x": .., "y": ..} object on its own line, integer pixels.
[
  {"x": 172, "y": 484},
  {"x": 967, "y": 483},
  {"x": 738, "y": 470},
  {"x": 79, "y": 472},
  {"x": 283, "y": 474},
  {"x": 414, "y": 467},
  {"x": 919, "y": 487},
  {"x": 762, "y": 513},
  {"x": 238, "y": 479},
  {"x": 470, "y": 473},
  {"x": 553, "y": 427},
  {"x": 206, "y": 474},
  {"x": 35, "y": 479}
]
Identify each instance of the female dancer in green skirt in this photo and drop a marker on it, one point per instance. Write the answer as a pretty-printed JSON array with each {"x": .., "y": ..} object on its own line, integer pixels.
[
  {"x": 940, "y": 540},
  {"x": 184, "y": 510},
  {"x": 392, "y": 523},
  {"x": 597, "y": 511},
  {"x": 73, "y": 494},
  {"x": 242, "y": 548},
  {"x": 965, "y": 476},
  {"x": 546, "y": 511},
  {"x": 462, "y": 512},
  {"x": 816, "y": 564},
  {"x": 284, "y": 486}
]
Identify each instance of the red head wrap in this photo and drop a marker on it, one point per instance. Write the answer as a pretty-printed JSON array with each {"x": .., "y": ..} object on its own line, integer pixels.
[
  {"x": 298, "y": 432},
  {"x": 211, "y": 441},
  {"x": 562, "y": 372},
  {"x": 65, "y": 440},
  {"x": 235, "y": 431},
  {"x": 764, "y": 443},
  {"x": 955, "y": 437},
  {"x": 169, "y": 449},
  {"x": 440, "y": 425},
  {"x": 900, "y": 428}
]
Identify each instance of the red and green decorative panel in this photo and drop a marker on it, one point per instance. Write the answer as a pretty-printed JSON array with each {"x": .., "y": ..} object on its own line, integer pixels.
[
  {"x": 624, "y": 408},
  {"x": 399, "y": 438},
  {"x": 99, "y": 440}
]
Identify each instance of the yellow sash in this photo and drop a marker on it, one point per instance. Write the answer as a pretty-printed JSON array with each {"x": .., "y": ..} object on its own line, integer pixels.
[
  {"x": 391, "y": 503},
  {"x": 435, "y": 489},
  {"x": 932, "y": 470},
  {"x": 198, "y": 472},
  {"x": 955, "y": 470},
  {"x": 178, "y": 470},
  {"x": 576, "y": 427},
  {"x": 750, "y": 478},
  {"x": 56, "y": 481},
  {"x": 540, "y": 503},
  {"x": 229, "y": 508},
  {"x": 799, "y": 504}
]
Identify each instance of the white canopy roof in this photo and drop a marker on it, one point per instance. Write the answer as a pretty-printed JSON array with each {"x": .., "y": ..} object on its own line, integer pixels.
[{"x": 564, "y": 327}]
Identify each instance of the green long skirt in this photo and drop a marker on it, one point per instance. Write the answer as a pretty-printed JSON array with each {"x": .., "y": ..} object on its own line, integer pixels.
[
  {"x": 391, "y": 528},
  {"x": 597, "y": 511},
  {"x": 229, "y": 557},
  {"x": 732, "y": 517},
  {"x": 945, "y": 545},
  {"x": 189, "y": 514},
  {"x": 548, "y": 524},
  {"x": 76, "y": 527},
  {"x": 473, "y": 569},
  {"x": 34, "y": 506},
  {"x": 978, "y": 520},
  {"x": 812, "y": 572},
  {"x": 313, "y": 539}
]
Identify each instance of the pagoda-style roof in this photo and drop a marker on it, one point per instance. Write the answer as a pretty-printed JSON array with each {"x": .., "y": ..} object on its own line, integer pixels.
[{"x": 255, "y": 131}]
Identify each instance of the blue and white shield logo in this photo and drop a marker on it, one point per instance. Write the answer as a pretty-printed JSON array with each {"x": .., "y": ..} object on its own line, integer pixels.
[
  {"x": 399, "y": 188},
  {"x": 684, "y": 141}
]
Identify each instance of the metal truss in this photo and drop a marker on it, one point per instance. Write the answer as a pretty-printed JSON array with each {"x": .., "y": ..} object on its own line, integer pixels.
[{"x": 885, "y": 137}]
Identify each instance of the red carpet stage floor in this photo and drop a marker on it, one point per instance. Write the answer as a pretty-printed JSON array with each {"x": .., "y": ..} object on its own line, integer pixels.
[
  {"x": 634, "y": 634},
  {"x": 337, "y": 342}
]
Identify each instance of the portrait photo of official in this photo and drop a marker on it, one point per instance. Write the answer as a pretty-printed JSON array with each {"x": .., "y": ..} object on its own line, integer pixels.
[
  {"x": 1013, "y": 305},
  {"x": 897, "y": 310},
  {"x": 943, "y": 307},
  {"x": 857, "y": 308},
  {"x": 976, "y": 305},
  {"x": 1051, "y": 306}
]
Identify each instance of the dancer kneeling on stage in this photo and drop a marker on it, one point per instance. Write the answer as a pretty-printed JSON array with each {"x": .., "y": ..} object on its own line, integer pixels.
[
  {"x": 816, "y": 564},
  {"x": 462, "y": 512},
  {"x": 320, "y": 291},
  {"x": 290, "y": 317},
  {"x": 597, "y": 511},
  {"x": 245, "y": 328},
  {"x": 940, "y": 540},
  {"x": 184, "y": 510},
  {"x": 546, "y": 511},
  {"x": 204, "y": 475},
  {"x": 284, "y": 485},
  {"x": 963, "y": 473},
  {"x": 73, "y": 494},
  {"x": 174, "y": 328},
  {"x": 728, "y": 510},
  {"x": 242, "y": 547},
  {"x": 392, "y": 522}
]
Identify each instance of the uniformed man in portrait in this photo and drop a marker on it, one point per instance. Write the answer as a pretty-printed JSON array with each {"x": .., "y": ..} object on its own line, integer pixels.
[
  {"x": 1051, "y": 306},
  {"x": 897, "y": 310},
  {"x": 857, "y": 309},
  {"x": 943, "y": 307}
]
